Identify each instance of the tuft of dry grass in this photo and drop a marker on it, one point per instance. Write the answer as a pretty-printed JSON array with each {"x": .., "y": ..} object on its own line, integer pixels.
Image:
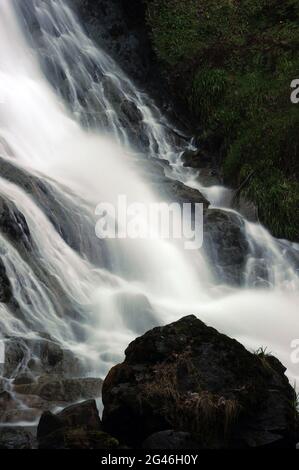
[{"x": 209, "y": 417}]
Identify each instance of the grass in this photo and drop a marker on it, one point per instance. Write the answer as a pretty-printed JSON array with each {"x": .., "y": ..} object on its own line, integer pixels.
[
  {"x": 263, "y": 354},
  {"x": 207, "y": 416},
  {"x": 232, "y": 62}
]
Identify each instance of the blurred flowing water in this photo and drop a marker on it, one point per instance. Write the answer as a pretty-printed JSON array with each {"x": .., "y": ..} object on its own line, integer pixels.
[{"x": 67, "y": 118}]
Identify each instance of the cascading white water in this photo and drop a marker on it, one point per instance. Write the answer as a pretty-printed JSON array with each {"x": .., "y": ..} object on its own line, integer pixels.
[{"x": 84, "y": 150}]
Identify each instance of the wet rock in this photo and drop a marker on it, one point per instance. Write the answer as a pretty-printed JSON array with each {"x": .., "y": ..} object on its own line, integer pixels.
[
  {"x": 49, "y": 423},
  {"x": 84, "y": 414},
  {"x": 188, "y": 377},
  {"x": 38, "y": 356},
  {"x": 36, "y": 403},
  {"x": 196, "y": 159},
  {"x": 12, "y": 411},
  {"x": 118, "y": 26},
  {"x": 24, "y": 378},
  {"x": 5, "y": 399},
  {"x": 136, "y": 312},
  {"x": 76, "y": 427},
  {"x": 131, "y": 119},
  {"x": 16, "y": 438},
  {"x": 130, "y": 112},
  {"x": 247, "y": 208},
  {"x": 17, "y": 414},
  {"x": 2, "y": 383},
  {"x": 13, "y": 224},
  {"x": 58, "y": 389},
  {"x": 170, "y": 440},
  {"x": 151, "y": 169},
  {"x": 175, "y": 191},
  {"x": 5, "y": 285},
  {"x": 226, "y": 245},
  {"x": 62, "y": 214}
]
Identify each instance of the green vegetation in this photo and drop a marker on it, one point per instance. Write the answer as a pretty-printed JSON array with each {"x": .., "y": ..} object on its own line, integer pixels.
[{"x": 232, "y": 61}]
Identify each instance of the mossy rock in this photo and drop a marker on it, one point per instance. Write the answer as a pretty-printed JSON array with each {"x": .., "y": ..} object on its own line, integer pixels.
[{"x": 188, "y": 377}]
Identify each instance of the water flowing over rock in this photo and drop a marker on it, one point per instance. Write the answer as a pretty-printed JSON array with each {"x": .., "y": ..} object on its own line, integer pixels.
[
  {"x": 189, "y": 376},
  {"x": 13, "y": 224},
  {"x": 39, "y": 356},
  {"x": 39, "y": 375},
  {"x": 226, "y": 245}
]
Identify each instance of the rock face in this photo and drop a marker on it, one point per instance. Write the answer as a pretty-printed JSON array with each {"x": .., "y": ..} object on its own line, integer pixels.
[
  {"x": 13, "y": 223},
  {"x": 52, "y": 203},
  {"x": 5, "y": 286},
  {"x": 118, "y": 26},
  {"x": 226, "y": 245},
  {"x": 57, "y": 389},
  {"x": 41, "y": 355},
  {"x": 39, "y": 375},
  {"x": 76, "y": 427},
  {"x": 16, "y": 438},
  {"x": 175, "y": 191},
  {"x": 190, "y": 378}
]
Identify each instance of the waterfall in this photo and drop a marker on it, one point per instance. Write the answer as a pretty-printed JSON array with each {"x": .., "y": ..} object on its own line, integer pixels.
[{"x": 68, "y": 120}]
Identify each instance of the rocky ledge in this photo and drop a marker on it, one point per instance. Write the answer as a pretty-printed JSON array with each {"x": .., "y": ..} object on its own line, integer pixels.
[{"x": 183, "y": 386}]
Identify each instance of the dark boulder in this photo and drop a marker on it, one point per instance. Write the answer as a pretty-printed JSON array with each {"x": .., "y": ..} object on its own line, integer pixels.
[
  {"x": 49, "y": 423},
  {"x": 188, "y": 377},
  {"x": 84, "y": 414},
  {"x": 76, "y": 427}
]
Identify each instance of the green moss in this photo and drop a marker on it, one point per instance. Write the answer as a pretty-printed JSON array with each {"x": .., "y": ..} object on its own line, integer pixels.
[
  {"x": 171, "y": 22},
  {"x": 233, "y": 63}
]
